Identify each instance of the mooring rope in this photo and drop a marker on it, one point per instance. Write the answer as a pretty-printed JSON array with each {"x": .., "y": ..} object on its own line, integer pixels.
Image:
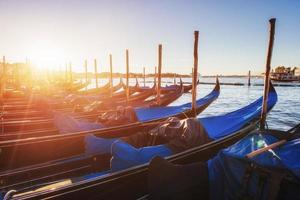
[{"x": 9, "y": 194}]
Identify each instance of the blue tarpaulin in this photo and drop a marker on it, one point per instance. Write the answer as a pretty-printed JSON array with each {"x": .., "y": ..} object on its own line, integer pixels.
[
  {"x": 227, "y": 169},
  {"x": 68, "y": 124},
  {"x": 216, "y": 127},
  {"x": 222, "y": 125},
  {"x": 146, "y": 114}
]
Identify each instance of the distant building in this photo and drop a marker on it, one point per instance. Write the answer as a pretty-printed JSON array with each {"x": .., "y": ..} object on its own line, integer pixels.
[
  {"x": 297, "y": 71},
  {"x": 285, "y": 74}
]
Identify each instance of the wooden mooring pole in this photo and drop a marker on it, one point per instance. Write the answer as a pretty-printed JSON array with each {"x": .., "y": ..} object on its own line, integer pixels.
[
  {"x": 144, "y": 76},
  {"x": 159, "y": 73},
  {"x": 111, "y": 74},
  {"x": 71, "y": 73},
  {"x": 195, "y": 73},
  {"x": 96, "y": 72},
  {"x": 127, "y": 75},
  {"x": 66, "y": 73},
  {"x": 174, "y": 79},
  {"x": 86, "y": 74},
  {"x": 249, "y": 78},
  {"x": 155, "y": 75},
  {"x": 3, "y": 77},
  {"x": 267, "y": 75}
]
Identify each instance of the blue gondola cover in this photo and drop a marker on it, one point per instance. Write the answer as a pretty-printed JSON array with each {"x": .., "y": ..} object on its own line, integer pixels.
[
  {"x": 220, "y": 126},
  {"x": 227, "y": 169},
  {"x": 146, "y": 114},
  {"x": 68, "y": 124},
  {"x": 124, "y": 155}
]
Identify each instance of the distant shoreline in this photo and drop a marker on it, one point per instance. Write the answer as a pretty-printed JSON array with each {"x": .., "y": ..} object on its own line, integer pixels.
[{"x": 164, "y": 75}]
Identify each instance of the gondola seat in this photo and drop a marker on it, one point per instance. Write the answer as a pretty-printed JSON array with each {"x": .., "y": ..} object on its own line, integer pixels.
[
  {"x": 173, "y": 137},
  {"x": 97, "y": 145},
  {"x": 67, "y": 124},
  {"x": 125, "y": 155}
]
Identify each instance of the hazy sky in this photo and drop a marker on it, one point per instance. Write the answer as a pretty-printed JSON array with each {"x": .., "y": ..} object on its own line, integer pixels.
[{"x": 233, "y": 33}]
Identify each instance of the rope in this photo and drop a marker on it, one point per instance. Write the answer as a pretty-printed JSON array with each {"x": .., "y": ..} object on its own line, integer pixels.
[
  {"x": 9, "y": 194},
  {"x": 294, "y": 128},
  {"x": 158, "y": 122},
  {"x": 185, "y": 115}
]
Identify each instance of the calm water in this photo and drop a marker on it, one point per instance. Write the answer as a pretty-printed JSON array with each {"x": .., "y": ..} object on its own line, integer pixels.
[{"x": 284, "y": 115}]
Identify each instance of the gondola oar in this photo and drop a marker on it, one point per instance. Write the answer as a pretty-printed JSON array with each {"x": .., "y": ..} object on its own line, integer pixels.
[
  {"x": 291, "y": 134},
  {"x": 266, "y": 148}
]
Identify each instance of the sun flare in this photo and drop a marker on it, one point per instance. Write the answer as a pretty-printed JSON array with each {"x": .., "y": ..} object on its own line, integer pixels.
[{"x": 45, "y": 54}]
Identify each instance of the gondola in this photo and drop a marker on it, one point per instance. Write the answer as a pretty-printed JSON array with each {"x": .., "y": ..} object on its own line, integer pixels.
[
  {"x": 54, "y": 103},
  {"x": 187, "y": 88},
  {"x": 165, "y": 89},
  {"x": 262, "y": 165},
  {"x": 33, "y": 141},
  {"x": 165, "y": 99},
  {"x": 59, "y": 103},
  {"x": 136, "y": 102},
  {"x": 63, "y": 89},
  {"x": 117, "y": 97},
  {"x": 130, "y": 183},
  {"x": 37, "y": 107},
  {"x": 120, "y": 95},
  {"x": 23, "y": 94},
  {"x": 77, "y": 86},
  {"x": 104, "y": 89}
]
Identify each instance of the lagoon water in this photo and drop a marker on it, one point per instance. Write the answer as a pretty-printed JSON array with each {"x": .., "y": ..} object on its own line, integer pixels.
[{"x": 283, "y": 116}]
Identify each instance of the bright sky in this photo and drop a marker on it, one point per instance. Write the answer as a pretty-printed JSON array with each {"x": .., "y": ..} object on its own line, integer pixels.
[{"x": 233, "y": 33}]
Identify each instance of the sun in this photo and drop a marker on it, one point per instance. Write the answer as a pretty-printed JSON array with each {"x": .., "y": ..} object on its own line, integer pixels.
[{"x": 45, "y": 54}]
